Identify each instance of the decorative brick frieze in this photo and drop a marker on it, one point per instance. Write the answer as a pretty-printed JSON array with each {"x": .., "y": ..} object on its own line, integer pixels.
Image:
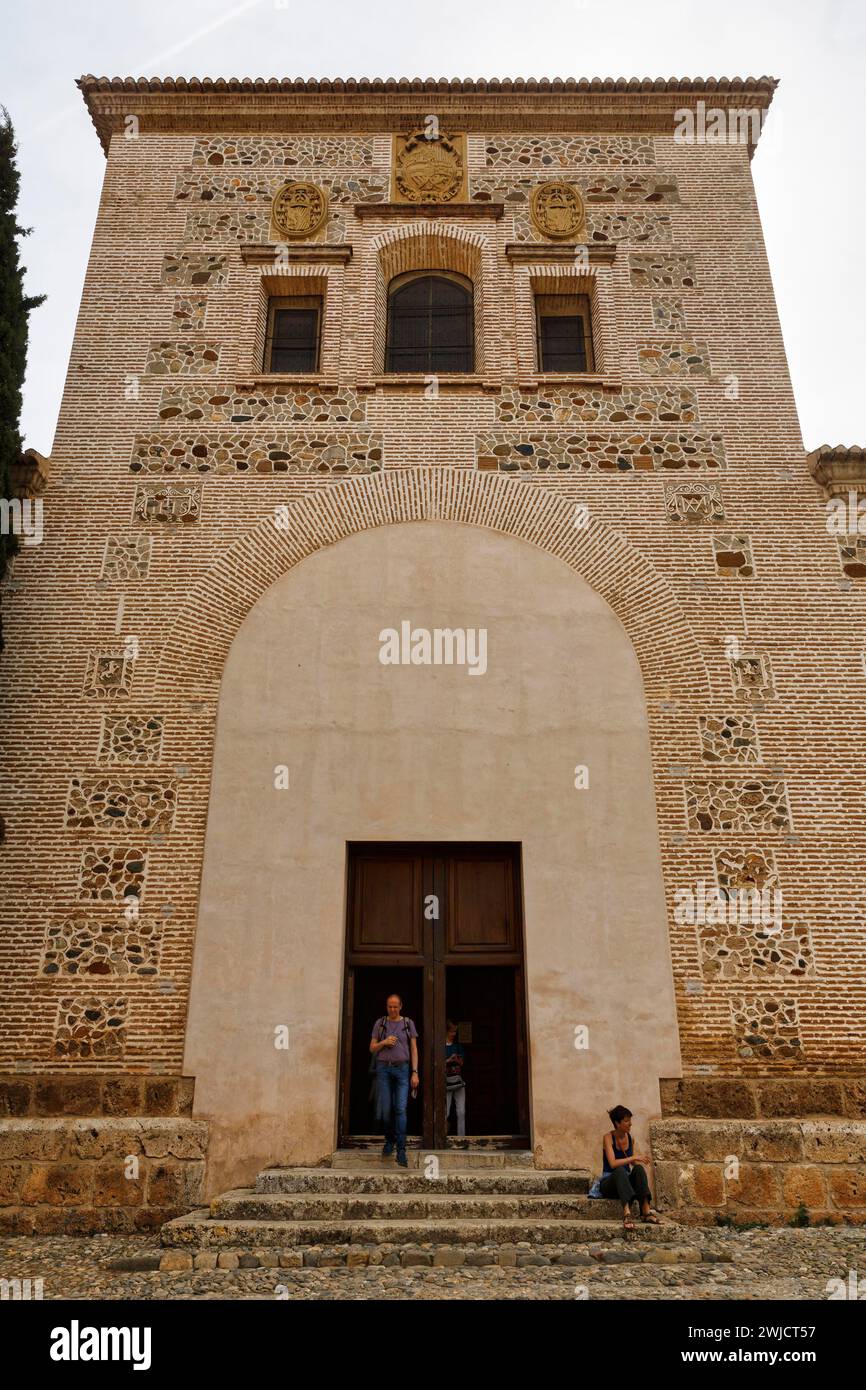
[
  {"x": 729, "y": 738},
  {"x": 275, "y": 404},
  {"x": 182, "y": 359},
  {"x": 752, "y": 676},
  {"x": 172, "y": 503},
  {"x": 557, "y": 152},
  {"x": 126, "y": 557},
  {"x": 90, "y": 1027},
  {"x": 111, "y": 873},
  {"x": 657, "y": 450},
  {"x": 732, "y": 555},
  {"x": 195, "y": 268},
  {"x": 331, "y": 451},
  {"x": 668, "y": 313},
  {"x": 131, "y": 738},
  {"x": 86, "y": 946},
  {"x": 766, "y": 1027},
  {"x": 121, "y": 803},
  {"x": 685, "y": 357},
  {"x": 188, "y": 314},
  {"x": 283, "y": 152},
  {"x": 590, "y": 405},
  {"x": 759, "y": 804},
  {"x": 674, "y": 270},
  {"x": 108, "y": 673},
  {"x": 694, "y": 501}
]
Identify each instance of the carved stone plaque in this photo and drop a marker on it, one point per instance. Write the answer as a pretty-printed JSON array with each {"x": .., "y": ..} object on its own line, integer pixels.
[
  {"x": 299, "y": 209},
  {"x": 557, "y": 210},
  {"x": 429, "y": 171}
]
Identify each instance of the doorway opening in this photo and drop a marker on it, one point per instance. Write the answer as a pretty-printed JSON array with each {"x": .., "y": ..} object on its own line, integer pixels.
[{"x": 442, "y": 926}]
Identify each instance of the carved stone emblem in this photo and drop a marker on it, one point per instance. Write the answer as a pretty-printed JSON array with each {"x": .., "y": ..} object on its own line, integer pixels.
[
  {"x": 428, "y": 171},
  {"x": 299, "y": 209},
  {"x": 557, "y": 210}
]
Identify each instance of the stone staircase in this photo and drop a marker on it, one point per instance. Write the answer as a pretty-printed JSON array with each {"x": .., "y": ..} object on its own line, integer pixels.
[{"x": 364, "y": 1209}]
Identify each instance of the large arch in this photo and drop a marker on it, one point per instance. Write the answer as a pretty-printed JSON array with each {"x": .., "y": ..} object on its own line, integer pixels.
[{"x": 197, "y": 644}]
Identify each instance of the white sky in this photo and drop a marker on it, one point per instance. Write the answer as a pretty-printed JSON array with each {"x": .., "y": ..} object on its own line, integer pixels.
[{"x": 809, "y": 168}]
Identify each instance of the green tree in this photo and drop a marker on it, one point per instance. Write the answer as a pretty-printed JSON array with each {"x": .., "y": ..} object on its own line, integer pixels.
[{"x": 15, "y": 307}]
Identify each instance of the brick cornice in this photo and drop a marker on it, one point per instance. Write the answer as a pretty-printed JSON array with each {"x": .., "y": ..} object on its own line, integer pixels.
[{"x": 290, "y": 104}]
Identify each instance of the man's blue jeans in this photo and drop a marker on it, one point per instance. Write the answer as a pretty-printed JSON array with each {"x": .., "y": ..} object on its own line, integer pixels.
[{"x": 392, "y": 1083}]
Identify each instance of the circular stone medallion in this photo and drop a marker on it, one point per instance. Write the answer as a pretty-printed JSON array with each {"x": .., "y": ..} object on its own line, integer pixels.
[
  {"x": 299, "y": 209},
  {"x": 557, "y": 210}
]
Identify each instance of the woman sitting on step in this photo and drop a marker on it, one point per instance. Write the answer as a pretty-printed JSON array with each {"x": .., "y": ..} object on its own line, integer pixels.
[{"x": 624, "y": 1175}]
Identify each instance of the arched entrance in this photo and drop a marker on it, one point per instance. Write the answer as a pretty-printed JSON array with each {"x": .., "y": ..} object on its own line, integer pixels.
[{"x": 425, "y": 753}]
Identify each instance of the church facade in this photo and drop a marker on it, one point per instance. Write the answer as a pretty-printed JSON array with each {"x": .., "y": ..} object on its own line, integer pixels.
[{"x": 434, "y": 597}]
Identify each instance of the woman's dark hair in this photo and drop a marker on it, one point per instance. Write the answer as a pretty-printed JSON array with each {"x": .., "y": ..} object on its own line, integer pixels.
[{"x": 619, "y": 1113}]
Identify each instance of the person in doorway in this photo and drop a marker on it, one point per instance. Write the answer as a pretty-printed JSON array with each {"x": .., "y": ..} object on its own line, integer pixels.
[
  {"x": 394, "y": 1043},
  {"x": 624, "y": 1175},
  {"x": 455, "y": 1084}
]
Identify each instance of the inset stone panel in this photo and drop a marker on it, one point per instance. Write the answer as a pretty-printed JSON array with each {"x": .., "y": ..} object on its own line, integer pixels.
[
  {"x": 269, "y": 405},
  {"x": 558, "y": 151},
  {"x": 767, "y": 1027},
  {"x": 89, "y": 1027},
  {"x": 121, "y": 803},
  {"x": 301, "y": 451},
  {"x": 685, "y": 357},
  {"x": 111, "y": 946},
  {"x": 195, "y": 268},
  {"x": 301, "y": 151},
  {"x": 668, "y": 314},
  {"x": 189, "y": 313},
  {"x": 108, "y": 674},
  {"x": 245, "y": 224},
  {"x": 751, "y": 950},
  {"x": 111, "y": 873},
  {"x": 731, "y": 738},
  {"x": 175, "y": 503},
  {"x": 694, "y": 501},
  {"x": 608, "y": 452},
  {"x": 602, "y": 228},
  {"x": 258, "y": 188},
  {"x": 752, "y": 676},
  {"x": 733, "y": 557},
  {"x": 745, "y": 871},
  {"x": 589, "y": 405},
  {"x": 760, "y": 804},
  {"x": 671, "y": 271},
  {"x": 131, "y": 738},
  {"x": 126, "y": 557},
  {"x": 182, "y": 359},
  {"x": 852, "y": 556}
]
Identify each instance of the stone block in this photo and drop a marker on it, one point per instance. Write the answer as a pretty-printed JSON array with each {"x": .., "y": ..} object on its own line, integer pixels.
[
  {"x": 175, "y": 1262},
  {"x": 248, "y": 1261},
  {"x": 416, "y": 1257},
  {"x": 58, "y": 1184},
  {"x": 15, "y": 1096},
  {"x": 121, "y": 1095},
  {"x": 291, "y": 1259},
  {"x": 794, "y": 1098},
  {"x": 855, "y": 1098},
  {"x": 165, "y": 1185},
  {"x": 804, "y": 1183},
  {"x": 666, "y": 1178},
  {"x": 12, "y": 1176},
  {"x": 719, "y": 1098},
  {"x": 185, "y": 1092},
  {"x": 708, "y": 1185},
  {"x": 847, "y": 1186},
  {"x": 32, "y": 1138},
  {"x": 103, "y": 1137},
  {"x": 356, "y": 1256},
  {"x": 205, "y": 1259},
  {"x": 834, "y": 1141},
  {"x": 160, "y": 1096},
  {"x": 454, "y": 1259},
  {"x": 152, "y": 1218},
  {"x": 683, "y": 1140},
  {"x": 174, "y": 1137},
  {"x": 68, "y": 1095},
  {"x": 227, "y": 1259},
  {"x": 757, "y": 1186},
  {"x": 112, "y": 1188}
]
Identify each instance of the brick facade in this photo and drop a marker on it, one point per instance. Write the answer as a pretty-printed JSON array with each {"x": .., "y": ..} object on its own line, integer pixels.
[{"x": 706, "y": 530}]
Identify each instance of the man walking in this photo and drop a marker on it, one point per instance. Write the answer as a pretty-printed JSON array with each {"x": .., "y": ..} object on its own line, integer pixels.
[{"x": 394, "y": 1043}]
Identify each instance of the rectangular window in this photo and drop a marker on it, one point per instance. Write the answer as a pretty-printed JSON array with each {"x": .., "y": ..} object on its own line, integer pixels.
[
  {"x": 292, "y": 343},
  {"x": 564, "y": 333}
]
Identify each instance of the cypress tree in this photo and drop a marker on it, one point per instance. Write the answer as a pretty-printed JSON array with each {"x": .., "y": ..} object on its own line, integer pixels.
[{"x": 15, "y": 307}]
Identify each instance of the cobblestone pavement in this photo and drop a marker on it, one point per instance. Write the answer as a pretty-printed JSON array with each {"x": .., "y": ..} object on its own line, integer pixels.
[{"x": 769, "y": 1264}]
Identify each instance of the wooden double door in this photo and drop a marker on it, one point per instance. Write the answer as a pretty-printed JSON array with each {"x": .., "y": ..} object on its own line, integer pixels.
[{"x": 441, "y": 925}]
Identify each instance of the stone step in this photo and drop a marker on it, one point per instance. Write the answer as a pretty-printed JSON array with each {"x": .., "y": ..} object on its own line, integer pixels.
[
  {"x": 201, "y": 1231},
  {"x": 370, "y": 1156},
  {"x": 246, "y": 1205},
  {"x": 390, "y": 1178}
]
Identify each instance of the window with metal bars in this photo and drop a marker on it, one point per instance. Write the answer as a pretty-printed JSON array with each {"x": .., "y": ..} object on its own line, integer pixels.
[
  {"x": 564, "y": 333},
  {"x": 292, "y": 343},
  {"x": 430, "y": 324}
]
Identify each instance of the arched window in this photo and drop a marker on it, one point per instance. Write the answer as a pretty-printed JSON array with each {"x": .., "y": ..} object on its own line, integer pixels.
[{"x": 430, "y": 324}]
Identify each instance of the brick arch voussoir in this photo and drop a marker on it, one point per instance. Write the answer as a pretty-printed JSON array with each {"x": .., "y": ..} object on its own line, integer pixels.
[{"x": 193, "y": 656}]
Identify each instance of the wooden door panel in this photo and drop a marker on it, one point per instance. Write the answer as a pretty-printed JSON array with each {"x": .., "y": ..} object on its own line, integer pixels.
[
  {"x": 387, "y": 903},
  {"x": 481, "y": 910}
]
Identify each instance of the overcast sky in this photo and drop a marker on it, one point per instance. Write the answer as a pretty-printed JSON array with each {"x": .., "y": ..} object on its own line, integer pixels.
[{"x": 809, "y": 168}]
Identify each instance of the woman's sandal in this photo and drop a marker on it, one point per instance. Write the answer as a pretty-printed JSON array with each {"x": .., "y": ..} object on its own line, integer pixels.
[
  {"x": 651, "y": 1219},
  {"x": 628, "y": 1223}
]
